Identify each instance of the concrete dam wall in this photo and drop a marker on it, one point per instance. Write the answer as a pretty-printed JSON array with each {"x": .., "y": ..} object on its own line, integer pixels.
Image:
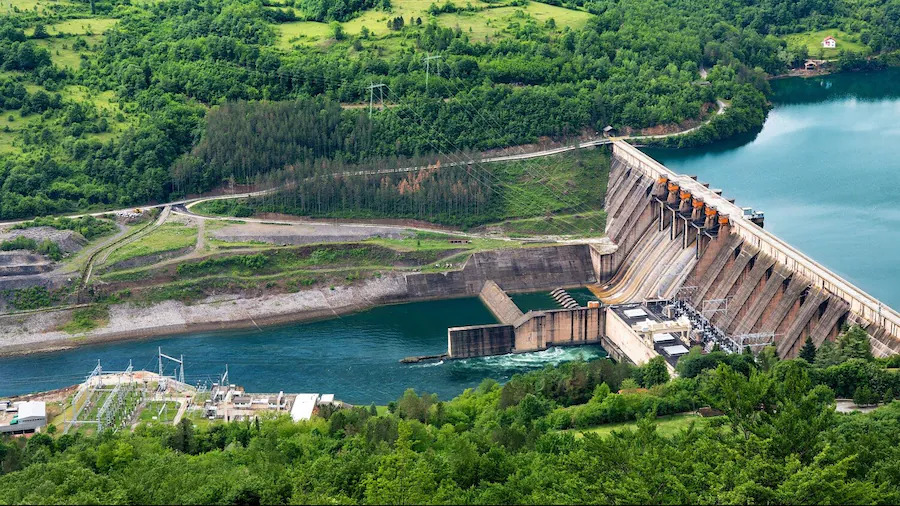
[
  {"x": 533, "y": 331},
  {"x": 524, "y": 269},
  {"x": 677, "y": 238}
]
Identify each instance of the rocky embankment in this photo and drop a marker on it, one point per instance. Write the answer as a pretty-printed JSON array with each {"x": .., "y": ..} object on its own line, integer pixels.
[{"x": 515, "y": 269}]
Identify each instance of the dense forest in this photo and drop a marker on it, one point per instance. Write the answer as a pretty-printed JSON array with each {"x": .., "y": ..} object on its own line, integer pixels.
[
  {"x": 117, "y": 116},
  {"x": 779, "y": 440}
]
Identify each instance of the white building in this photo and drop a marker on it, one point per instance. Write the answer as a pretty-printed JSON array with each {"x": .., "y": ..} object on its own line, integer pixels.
[
  {"x": 829, "y": 42},
  {"x": 304, "y": 405},
  {"x": 24, "y": 417}
]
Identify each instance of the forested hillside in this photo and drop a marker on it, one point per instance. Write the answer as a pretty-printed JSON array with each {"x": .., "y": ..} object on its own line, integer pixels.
[
  {"x": 779, "y": 441},
  {"x": 105, "y": 103}
]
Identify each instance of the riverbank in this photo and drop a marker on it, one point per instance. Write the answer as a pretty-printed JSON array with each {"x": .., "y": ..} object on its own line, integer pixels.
[
  {"x": 548, "y": 267},
  {"x": 41, "y": 332}
]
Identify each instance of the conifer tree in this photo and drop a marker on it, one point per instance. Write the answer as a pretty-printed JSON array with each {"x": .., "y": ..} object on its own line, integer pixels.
[{"x": 808, "y": 352}]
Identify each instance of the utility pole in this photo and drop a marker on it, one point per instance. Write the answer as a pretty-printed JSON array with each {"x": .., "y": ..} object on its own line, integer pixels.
[
  {"x": 437, "y": 66},
  {"x": 371, "y": 87}
]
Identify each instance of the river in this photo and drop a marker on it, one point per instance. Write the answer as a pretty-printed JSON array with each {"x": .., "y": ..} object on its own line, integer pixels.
[
  {"x": 825, "y": 169},
  {"x": 356, "y": 357}
]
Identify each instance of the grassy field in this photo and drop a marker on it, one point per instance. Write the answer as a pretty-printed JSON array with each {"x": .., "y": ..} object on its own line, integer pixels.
[
  {"x": 62, "y": 52},
  {"x": 82, "y": 26},
  {"x": 490, "y": 21},
  {"x": 40, "y": 6},
  {"x": 301, "y": 32},
  {"x": 169, "y": 236},
  {"x": 665, "y": 426},
  {"x": 151, "y": 412},
  {"x": 426, "y": 241},
  {"x": 813, "y": 42},
  {"x": 589, "y": 224},
  {"x": 10, "y": 126}
]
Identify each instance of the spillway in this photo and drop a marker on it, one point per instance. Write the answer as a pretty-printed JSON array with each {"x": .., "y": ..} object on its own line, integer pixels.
[{"x": 678, "y": 239}]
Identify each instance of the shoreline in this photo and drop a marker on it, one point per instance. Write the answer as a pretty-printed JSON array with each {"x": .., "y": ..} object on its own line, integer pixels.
[
  {"x": 552, "y": 267},
  {"x": 102, "y": 335}
]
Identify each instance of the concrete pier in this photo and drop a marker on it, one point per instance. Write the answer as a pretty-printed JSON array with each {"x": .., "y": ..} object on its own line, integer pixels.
[{"x": 496, "y": 300}]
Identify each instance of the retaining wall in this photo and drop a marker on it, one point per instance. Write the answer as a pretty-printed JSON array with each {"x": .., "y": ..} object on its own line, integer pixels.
[{"x": 480, "y": 340}]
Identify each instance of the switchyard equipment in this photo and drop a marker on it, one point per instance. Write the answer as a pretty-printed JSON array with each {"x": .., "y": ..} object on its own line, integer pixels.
[{"x": 105, "y": 406}]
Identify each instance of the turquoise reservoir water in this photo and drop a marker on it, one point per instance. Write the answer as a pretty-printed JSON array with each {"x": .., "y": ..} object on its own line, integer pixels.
[
  {"x": 355, "y": 357},
  {"x": 825, "y": 169}
]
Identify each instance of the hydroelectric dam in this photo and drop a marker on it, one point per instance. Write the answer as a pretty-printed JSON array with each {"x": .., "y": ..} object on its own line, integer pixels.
[{"x": 688, "y": 267}]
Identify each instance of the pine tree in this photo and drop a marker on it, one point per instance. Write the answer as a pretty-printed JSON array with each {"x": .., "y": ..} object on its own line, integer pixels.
[
  {"x": 808, "y": 352},
  {"x": 855, "y": 344}
]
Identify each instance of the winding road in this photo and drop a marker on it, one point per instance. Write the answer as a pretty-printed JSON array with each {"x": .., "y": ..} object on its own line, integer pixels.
[{"x": 491, "y": 159}]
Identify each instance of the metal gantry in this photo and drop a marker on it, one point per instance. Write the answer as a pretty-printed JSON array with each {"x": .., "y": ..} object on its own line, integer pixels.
[
  {"x": 755, "y": 341},
  {"x": 120, "y": 400},
  {"x": 179, "y": 375}
]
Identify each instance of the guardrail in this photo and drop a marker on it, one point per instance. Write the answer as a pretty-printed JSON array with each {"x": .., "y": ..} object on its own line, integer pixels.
[{"x": 861, "y": 303}]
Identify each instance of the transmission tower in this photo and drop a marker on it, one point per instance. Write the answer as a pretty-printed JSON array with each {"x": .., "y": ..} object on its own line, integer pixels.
[
  {"x": 380, "y": 86},
  {"x": 437, "y": 67}
]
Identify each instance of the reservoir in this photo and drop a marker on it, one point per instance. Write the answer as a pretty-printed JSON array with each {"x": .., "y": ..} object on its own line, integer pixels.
[
  {"x": 825, "y": 169},
  {"x": 356, "y": 357}
]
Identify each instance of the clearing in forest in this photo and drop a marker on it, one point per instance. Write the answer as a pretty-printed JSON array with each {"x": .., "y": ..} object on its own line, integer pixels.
[
  {"x": 813, "y": 42},
  {"x": 484, "y": 20}
]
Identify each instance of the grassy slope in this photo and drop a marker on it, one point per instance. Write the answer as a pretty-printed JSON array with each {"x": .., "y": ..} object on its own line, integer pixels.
[
  {"x": 813, "y": 42},
  {"x": 570, "y": 181},
  {"x": 168, "y": 237},
  {"x": 60, "y": 44},
  {"x": 489, "y": 22},
  {"x": 665, "y": 426}
]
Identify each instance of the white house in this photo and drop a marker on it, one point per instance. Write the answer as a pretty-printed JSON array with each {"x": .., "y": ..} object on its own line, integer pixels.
[{"x": 829, "y": 42}]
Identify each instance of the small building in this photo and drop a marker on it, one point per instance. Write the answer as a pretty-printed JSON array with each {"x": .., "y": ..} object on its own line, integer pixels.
[
  {"x": 609, "y": 131},
  {"x": 304, "y": 405},
  {"x": 26, "y": 417},
  {"x": 829, "y": 42}
]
